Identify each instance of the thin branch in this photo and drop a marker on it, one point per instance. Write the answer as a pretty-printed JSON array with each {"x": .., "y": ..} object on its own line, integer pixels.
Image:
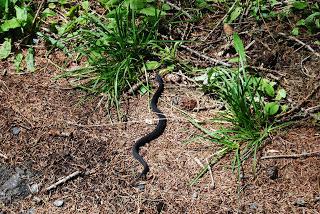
[
  {"x": 37, "y": 13},
  {"x": 65, "y": 179},
  {"x": 204, "y": 56},
  {"x": 3, "y": 156},
  {"x": 294, "y": 156},
  {"x": 267, "y": 70},
  {"x": 301, "y": 43},
  {"x": 178, "y": 8},
  {"x": 305, "y": 114},
  {"x": 300, "y": 104}
]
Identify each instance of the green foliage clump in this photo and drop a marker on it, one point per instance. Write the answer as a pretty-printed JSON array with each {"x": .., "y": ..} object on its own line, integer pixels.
[
  {"x": 16, "y": 20},
  {"x": 307, "y": 12},
  {"x": 114, "y": 46},
  {"x": 251, "y": 102}
]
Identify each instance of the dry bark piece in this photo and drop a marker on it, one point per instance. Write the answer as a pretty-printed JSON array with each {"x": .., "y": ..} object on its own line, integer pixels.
[
  {"x": 228, "y": 30},
  {"x": 173, "y": 78},
  {"x": 188, "y": 103},
  {"x": 273, "y": 172}
]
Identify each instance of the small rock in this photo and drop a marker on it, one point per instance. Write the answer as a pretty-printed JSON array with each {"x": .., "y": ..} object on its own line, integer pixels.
[
  {"x": 31, "y": 211},
  {"x": 272, "y": 172},
  {"x": 141, "y": 187},
  {"x": 253, "y": 206},
  {"x": 34, "y": 188},
  {"x": 176, "y": 100},
  {"x": 37, "y": 200},
  {"x": 15, "y": 130},
  {"x": 174, "y": 78},
  {"x": 194, "y": 195},
  {"x": 300, "y": 202},
  {"x": 58, "y": 203},
  {"x": 149, "y": 121},
  {"x": 188, "y": 103}
]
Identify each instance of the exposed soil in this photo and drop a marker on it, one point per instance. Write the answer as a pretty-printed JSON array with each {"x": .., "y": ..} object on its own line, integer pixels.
[{"x": 49, "y": 130}]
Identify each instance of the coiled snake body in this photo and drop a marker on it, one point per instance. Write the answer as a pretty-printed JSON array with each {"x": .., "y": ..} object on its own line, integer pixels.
[{"x": 162, "y": 123}]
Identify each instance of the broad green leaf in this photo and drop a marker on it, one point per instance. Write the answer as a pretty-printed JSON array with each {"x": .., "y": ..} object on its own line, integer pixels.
[
  {"x": 10, "y": 24},
  {"x": 5, "y": 49},
  {"x": 295, "y": 31},
  {"x": 152, "y": 11},
  {"x": 271, "y": 108},
  {"x": 300, "y": 5},
  {"x": 234, "y": 60},
  {"x": 17, "y": 61},
  {"x": 136, "y": 4},
  {"x": 310, "y": 20},
  {"x": 21, "y": 14},
  {"x": 301, "y": 22},
  {"x": 238, "y": 45},
  {"x": 30, "y": 60},
  {"x": 47, "y": 13},
  {"x": 85, "y": 5},
  {"x": 269, "y": 90},
  {"x": 281, "y": 93},
  {"x": 235, "y": 14},
  {"x": 151, "y": 65},
  {"x": 284, "y": 108},
  {"x": 166, "y": 7}
]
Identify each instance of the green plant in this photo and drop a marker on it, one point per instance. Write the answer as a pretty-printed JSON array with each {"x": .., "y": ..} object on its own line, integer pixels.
[
  {"x": 248, "y": 111},
  {"x": 18, "y": 23},
  {"x": 115, "y": 47},
  {"x": 310, "y": 19},
  {"x": 308, "y": 12},
  {"x": 16, "y": 18}
]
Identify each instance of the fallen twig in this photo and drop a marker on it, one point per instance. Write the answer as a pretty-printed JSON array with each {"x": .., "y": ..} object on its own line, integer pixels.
[
  {"x": 300, "y": 104},
  {"x": 305, "y": 114},
  {"x": 303, "y": 155},
  {"x": 302, "y": 43},
  {"x": 3, "y": 156},
  {"x": 204, "y": 56},
  {"x": 65, "y": 179},
  {"x": 212, "y": 60},
  {"x": 267, "y": 70},
  {"x": 178, "y": 8}
]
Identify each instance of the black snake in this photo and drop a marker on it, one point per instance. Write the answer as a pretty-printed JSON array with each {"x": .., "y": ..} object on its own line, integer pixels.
[{"x": 162, "y": 123}]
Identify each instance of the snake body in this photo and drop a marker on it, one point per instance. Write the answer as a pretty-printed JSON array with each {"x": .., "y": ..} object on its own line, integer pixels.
[{"x": 162, "y": 123}]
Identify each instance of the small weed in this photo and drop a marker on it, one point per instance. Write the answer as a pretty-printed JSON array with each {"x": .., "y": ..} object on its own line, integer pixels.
[
  {"x": 248, "y": 111},
  {"x": 309, "y": 12},
  {"x": 115, "y": 47},
  {"x": 18, "y": 23}
]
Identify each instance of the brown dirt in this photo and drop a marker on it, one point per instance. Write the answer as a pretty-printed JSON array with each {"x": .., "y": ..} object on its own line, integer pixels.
[{"x": 64, "y": 130}]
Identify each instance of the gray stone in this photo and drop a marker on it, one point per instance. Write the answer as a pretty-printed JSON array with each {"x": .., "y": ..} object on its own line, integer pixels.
[
  {"x": 195, "y": 195},
  {"x": 141, "y": 187},
  {"x": 37, "y": 200},
  {"x": 31, "y": 211},
  {"x": 273, "y": 172},
  {"x": 253, "y": 206},
  {"x": 300, "y": 202},
  {"x": 58, "y": 203},
  {"x": 34, "y": 188},
  {"x": 15, "y": 130}
]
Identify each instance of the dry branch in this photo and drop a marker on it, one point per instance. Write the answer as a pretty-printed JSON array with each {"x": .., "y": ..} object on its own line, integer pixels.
[
  {"x": 63, "y": 180},
  {"x": 303, "y": 155},
  {"x": 301, "y": 43}
]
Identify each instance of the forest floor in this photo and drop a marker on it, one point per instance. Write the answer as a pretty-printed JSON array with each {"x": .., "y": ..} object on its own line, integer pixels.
[{"x": 49, "y": 131}]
